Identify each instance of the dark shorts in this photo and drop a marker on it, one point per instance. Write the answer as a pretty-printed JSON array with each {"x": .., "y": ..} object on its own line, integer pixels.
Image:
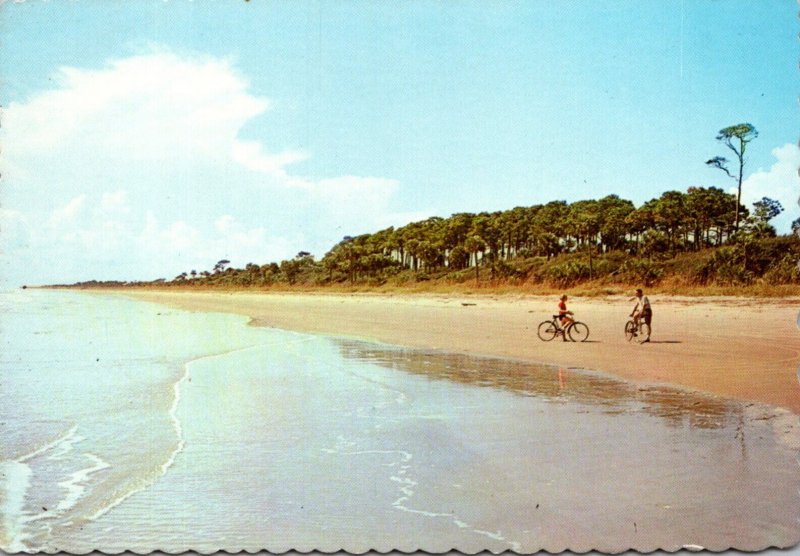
[{"x": 647, "y": 315}]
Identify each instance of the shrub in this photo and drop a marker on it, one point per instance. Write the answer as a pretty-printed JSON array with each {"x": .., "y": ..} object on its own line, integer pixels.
[
  {"x": 504, "y": 269},
  {"x": 567, "y": 274},
  {"x": 642, "y": 271},
  {"x": 785, "y": 271},
  {"x": 726, "y": 267},
  {"x": 533, "y": 268}
]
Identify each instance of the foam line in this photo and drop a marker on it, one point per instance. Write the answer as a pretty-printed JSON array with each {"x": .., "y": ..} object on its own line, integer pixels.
[
  {"x": 74, "y": 485},
  {"x": 176, "y": 424},
  {"x": 178, "y": 427},
  {"x": 50, "y": 445},
  {"x": 407, "y": 491},
  {"x": 17, "y": 474},
  {"x": 15, "y": 480}
]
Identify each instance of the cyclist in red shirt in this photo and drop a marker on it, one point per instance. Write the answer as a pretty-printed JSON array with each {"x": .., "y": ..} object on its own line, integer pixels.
[{"x": 564, "y": 315}]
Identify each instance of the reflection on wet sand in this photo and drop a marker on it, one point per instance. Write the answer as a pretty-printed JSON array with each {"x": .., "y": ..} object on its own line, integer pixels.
[
  {"x": 567, "y": 458},
  {"x": 680, "y": 408}
]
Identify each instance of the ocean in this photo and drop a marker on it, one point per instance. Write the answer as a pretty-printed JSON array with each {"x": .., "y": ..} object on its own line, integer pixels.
[{"x": 127, "y": 425}]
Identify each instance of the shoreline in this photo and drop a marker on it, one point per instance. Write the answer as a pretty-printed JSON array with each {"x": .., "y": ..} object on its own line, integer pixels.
[
  {"x": 398, "y": 445},
  {"x": 742, "y": 349},
  {"x": 760, "y": 294}
]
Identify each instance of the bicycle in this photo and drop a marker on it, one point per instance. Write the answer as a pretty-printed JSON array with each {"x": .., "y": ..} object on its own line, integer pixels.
[
  {"x": 575, "y": 331},
  {"x": 632, "y": 329}
]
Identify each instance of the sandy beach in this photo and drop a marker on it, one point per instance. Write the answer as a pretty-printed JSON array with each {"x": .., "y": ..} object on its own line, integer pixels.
[
  {"x": 178, "y": 425},
  {"x": 736, "y": 348}
]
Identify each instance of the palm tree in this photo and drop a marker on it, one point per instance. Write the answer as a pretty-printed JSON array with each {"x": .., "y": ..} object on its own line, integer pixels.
[{"x": 475, "y": 244}]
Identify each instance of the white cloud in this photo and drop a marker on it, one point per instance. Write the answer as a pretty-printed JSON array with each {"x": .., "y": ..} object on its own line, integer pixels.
[
  {"x": 125, "y": 248},
  {"x": 67, "y": 215},
  {"x": 143, "y": 107},
  {"x": 224, "y": 223},
  {"x": 362, "y": 203},
  {"x": 779, "y": 182},
  {"x": 350, "y": 205},
  {"x": 116, "y": 202},
  {"x": 353, "y": 195},
  {"x": 139, "y": 168},
  {"x": 251, "y": 155},
  {"x": 188, "y": 247}
]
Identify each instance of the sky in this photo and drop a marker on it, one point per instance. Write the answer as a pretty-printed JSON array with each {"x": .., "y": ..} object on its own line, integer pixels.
[{"x": 144, "y": 139}]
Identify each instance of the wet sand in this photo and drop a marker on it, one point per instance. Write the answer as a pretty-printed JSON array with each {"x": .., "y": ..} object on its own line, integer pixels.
[
  {"x": 736, "y": 348},
  {"x": 342, "y": 444},
  {"x": 582, "y": 461},
  {"x": 437, "y": 447}
]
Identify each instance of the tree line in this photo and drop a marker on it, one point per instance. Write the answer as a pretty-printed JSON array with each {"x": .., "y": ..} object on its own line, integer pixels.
[{"x": 690, "y": 234}]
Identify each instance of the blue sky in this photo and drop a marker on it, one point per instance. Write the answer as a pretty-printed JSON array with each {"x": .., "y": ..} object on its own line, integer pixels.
[{"x": 144, "y": 139}]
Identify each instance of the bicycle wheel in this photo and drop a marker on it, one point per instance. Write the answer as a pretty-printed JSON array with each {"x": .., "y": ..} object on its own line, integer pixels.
[
  {"x": 644, "y": 330},
  {"x": 630, "y": 330},
  {"x": 547, "y": 330},
  {"x": 578, "y": 332}
]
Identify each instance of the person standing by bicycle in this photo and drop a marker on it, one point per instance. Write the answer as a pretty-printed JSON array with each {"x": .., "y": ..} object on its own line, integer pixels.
[
  {"x": 642, "y": 310},
  {"x": 564, "y": 316}
]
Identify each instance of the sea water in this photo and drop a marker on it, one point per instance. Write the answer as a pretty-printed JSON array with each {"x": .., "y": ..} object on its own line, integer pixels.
[
  {"x": 89, "y": 388},
  {"x": 130, "y": 425}
]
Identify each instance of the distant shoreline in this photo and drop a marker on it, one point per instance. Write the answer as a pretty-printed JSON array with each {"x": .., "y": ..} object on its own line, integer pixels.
[
  {"x": 788, "y": 292},
  {"x": 731, "y": 347}
]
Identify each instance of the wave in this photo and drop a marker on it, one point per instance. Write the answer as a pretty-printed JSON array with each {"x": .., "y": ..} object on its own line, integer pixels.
[
  {"x": 176, "y": 423},
  {"x": 74, "y": 485},
  {"x": 181, "y": 442},
  {"x": 177, "y": 426},
  {"x": 82, "y": 497},
  {"x": 406, "y": 488},
  {"x": 64, "y": 438},
  {"x": 15, "y": 480},
  {"x": 16, "y": 523}
]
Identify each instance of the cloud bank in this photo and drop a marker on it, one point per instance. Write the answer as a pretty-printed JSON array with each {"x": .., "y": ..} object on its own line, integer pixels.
[{"x": 139, "y": 169}]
